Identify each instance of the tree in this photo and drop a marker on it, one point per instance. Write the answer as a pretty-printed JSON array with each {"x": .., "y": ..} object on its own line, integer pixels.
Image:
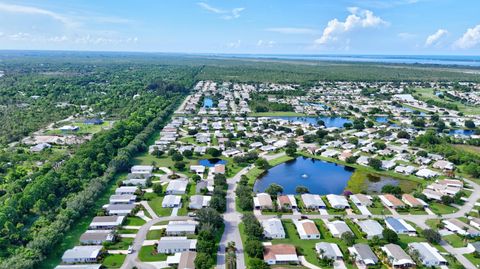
[
  {"x": 253, "y": 228},
  {"x": 196, "y": 178},
  {"x": 291, "y": 152},
  {"x": 179, "y": 165},
  {"x": 348, "y": 238},
  {"x": 432, "y": 236},
  {"x": 262, "y": 163},
  {"x": 209, "y": 216},
  {"x": 177, "y": 157},
  {"x": 301, "y": 190},
  {"x": 187, "y": 153},
  {"x": 257, "y": 264},
  {"x": 375, "y": 163},
  {"x": 204, "y": 261},
  {"x": 390, "y": 236},
  {"x": 254, "y": 248},
  {"x": 214, "y": 152},
  {"x": 274, "y": 189},
  {"x": 396, "y": 190},
  {"x": 403, "y": 134},
  {"x": 447, "y": 200},
  {"x": 157, "y": 188},
  {"x": 469, "y": 124},
  {"x": 299, "y": 132}
]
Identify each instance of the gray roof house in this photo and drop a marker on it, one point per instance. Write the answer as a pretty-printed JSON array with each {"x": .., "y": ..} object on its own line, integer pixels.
[
  {"x": 174, "y": 244},
  {"x": 79, "y": 266},
  {"x": 397, "y": 257},
  {"x": 82, "y": 254},
  {"x": 172, "y": 201},
  {"x": 273, "y": 228},
  {"x": 371, "y": 228},
  {"x": 96, "y": 237},
  {"x": 106, "y": 222},
  {"x": 120, "y": 209},
  {"x": 313, "y": 201},
  {"x": 429, "y": 256},
  {"x": 363, "y": 254},
  {"x": 122, "y": 199},
  {"x": 337, "y": 228},
  {"x": 329, "y": 251},
  {"x": 177, "y": 186}
]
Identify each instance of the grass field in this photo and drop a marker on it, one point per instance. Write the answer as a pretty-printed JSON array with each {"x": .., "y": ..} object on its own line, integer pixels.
[
  {"x": 471, "y": 257},
  {"x": 134, "y": 221},
  {"x": 442, "y": 209},
  {"x": 154, "y": 234},
  {"x": 455, "y": 240},
  {"x": 468, "y": 148},
  {"x": 149, "y": 254},
  {"x": 113, "y": 261},
  {"x": 122, "y": 244},
  {"x": 425, "y": 94},
  {"x": 155, "y": 203},
  {"x": 277, "y": 114}
]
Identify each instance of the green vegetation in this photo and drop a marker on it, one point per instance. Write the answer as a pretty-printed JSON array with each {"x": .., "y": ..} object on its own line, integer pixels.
[
  {"x": 154, "y": 234},
  {"x": 134, "y": 221},
  {"x": 150, "y": 254},
  {"x": 113, "y": 261}
]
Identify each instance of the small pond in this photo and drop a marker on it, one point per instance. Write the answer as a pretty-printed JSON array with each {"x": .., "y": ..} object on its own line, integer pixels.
[
  {"x": 408, "y": 109},
  {"x": 329, "y": 121},
  {"x": 381, "y": 119},
  {"x": 207, "y": 102},
  {"x": 320, "y": 177},
  {"x": 461, "y": 132},
  {"x": 211, "y": 162}
]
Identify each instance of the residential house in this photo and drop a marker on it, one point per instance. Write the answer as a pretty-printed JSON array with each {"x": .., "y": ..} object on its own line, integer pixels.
[
  {"x": 391, "y": 201},
  {"x": 400, "y": 226},
  {"x": 177, "y": 186},
  {"x": 337, "y": 201},
  {"x": 122, "y": 199},
  {"x": 181, "y": 227},
  {"x": 106, "y": 222},
  {"x": 96, "y": 237},
  {"x": 287, "y": 201},
  {"x": 428, "y": 255},
  {"x": 126, "y": 190},
  {"x": 273, "y": 228},
  {"x": 371, "y": 228},
  {"x": 307, "y": 229},
  {"x": 262, "y": 201},
  {"x": 313, "y": 201},
  {"x": 461, "y": 228},
  {"x": 280, "y": 254},
  {"x": 329, "y": 251},
  {"x": 337, "y": 228},
  {"x": 361, "y": 199},
  {"x": 170, "y": 245},
  {"x": 170, "y": 201},
  {"x": 120, "y": 209},
  {"x": 82, "y": 254},
  {"x": 199, "y": 201},
  {"x": 397, "y": 257},
  {"x": 412, "y": 201},
  {"x": 363, "y": 254}
]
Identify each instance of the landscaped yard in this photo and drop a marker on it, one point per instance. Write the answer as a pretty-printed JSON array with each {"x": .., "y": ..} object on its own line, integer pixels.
[
  {"x": 149, "y": 254},
  {"x": 155, "y": 203},
  {"x": 134, "y": 221},
  {"x": 442, "y": 209},
  {"x": 154, "y": 234},
  {"x": 471, "y": 257},
  {"x": 122, "y": 244},
  {"x": 455, "y": 240},
  {"x": 113, "y": 260}
]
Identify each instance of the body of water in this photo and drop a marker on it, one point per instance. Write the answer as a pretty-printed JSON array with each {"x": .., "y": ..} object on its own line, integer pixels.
[
  {"x": 381, "y": 119},
  {"x": 318, "y": 176},
  {"x": 207, "y": 102},
  {"x": 211, "y": 162},
  {"x": 461, "y": 132},
  {"x": 408, "y": 109},
  {"x": 329, "y": 121}
]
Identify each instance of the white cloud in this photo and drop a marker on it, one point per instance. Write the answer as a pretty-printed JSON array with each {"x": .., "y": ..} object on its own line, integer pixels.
[
  {"x": 406, "y": 35},
  {"x": 290, "y": 30},
  {"x": 358, "y": 18},
  {"x": 266, "y": 43},
  {"x": 235, "y": 44},
  {"x": 18, "y": 9},
  {"x": 435, "y": 37},
  {"x": 226, "y": 14},
  {"x": 470, "y": 38}
]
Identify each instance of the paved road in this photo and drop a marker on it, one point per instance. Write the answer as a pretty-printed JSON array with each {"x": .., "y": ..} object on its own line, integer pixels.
[
  {"x": 231, "y": 219},
  {"x": 132, "y": 259}
]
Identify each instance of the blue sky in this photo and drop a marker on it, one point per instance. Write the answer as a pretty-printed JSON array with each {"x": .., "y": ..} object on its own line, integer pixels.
[{"x": 433, "y": 27}]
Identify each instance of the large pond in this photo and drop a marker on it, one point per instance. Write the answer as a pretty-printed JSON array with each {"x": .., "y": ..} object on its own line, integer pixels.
[
  {"x": 211, "y": 162},
  {"x": 329, "y": 121},
  {"x": 207, "y": 102},
  {"x": 320, "y": 177}
]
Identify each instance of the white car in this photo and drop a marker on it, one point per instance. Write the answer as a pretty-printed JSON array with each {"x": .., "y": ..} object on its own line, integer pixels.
[{"x": 130, "y": 249}]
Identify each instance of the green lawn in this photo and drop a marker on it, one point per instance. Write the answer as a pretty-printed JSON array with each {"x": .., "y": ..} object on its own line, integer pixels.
[
  {"x": 427, "y": 93},
  {"x": 113, "y": 260},
  {"x": 122, "y": 244},
  {"x": 134, "y": 221},
  {"x": 442, "y": 209},
  {"x": 276, "y": 114},
  {"x": 127, "y": 231},
  {"x": 156, "y": 204},
  {"x": 154, "y": 234},
  {"x": 377, "y": 208},
  {"x": 471, "y": 257},
  {"x": 455, "y": 240},
  {"x": 149, "y": 254}
]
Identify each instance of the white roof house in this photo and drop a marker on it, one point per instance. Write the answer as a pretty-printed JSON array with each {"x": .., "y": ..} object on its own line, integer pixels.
[
  {"x": 329, "y": 251},
  {"x": 460, "y": 228},
  {"x": 361, "y": 199},
  {"x": 363, "y": 254},
  {"x": 177, "y": 186},
  {"x": 78, "y": 266},
  {"x": 82, "y": 254},
  {"x": 120, "y": 209},
  {"x": 371, "y": 228},
  {"x": 182, "y": 227},
  {"x": 176, "y": 244},
  {"x": 429, "y": 256},
  {"x": 397, "y": 256},
  {"x": 337, "y": 228},
  {"x": 273, "y": 228},
  {"x": 122, "y": 199},
  {"x": 171, "y": 201},
  {"x": 262, "y": 201},
  {"x": 313, "y": 201},
  {"x": 106, "y": 222},
  {"x": 199, "y": 201},
  {"x": 426, "y": 173},
  {"x": 142, "y": 169},
  {"x": 337, "y": 201}
]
